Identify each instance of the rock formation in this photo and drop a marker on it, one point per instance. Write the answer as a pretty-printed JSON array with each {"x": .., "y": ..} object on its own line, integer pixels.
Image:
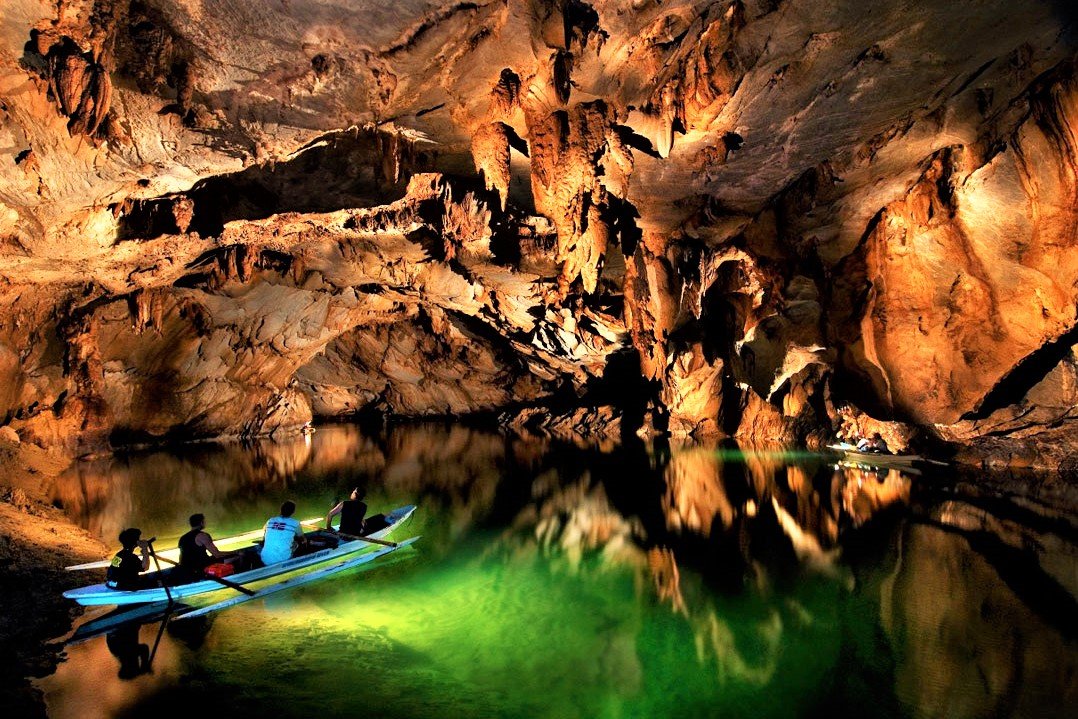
[{"x": 744, "y": 217}]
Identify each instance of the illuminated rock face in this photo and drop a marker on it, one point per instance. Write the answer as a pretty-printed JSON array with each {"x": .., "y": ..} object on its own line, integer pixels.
[{"x": 216, "y": 219}]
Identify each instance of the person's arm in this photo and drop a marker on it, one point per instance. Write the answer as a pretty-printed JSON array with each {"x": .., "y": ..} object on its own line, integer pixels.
[
  {"x": 300, "y": 536},
  {"x": 143, "y": 546},
  {"x": 206, "y": 542},
  {"x": 333, "y": 513}
]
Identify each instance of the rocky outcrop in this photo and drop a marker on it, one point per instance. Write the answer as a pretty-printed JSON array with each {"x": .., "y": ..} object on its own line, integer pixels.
[{"x": 778, "y": 210}]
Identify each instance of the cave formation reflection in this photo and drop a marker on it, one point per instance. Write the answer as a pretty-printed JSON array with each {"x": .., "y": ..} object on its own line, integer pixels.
[{"x": 761, "y": 558}]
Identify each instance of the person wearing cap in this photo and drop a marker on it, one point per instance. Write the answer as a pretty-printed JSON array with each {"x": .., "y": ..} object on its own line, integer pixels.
[{"x": 123, "y": 573}]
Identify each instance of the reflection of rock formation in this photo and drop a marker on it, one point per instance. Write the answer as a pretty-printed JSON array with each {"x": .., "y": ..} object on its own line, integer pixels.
[
  {"x": 454, "y": 469},
  {"x": 598, "y": 427},
  {"x": 161, "y": 489},
  {"x": 741, "y": 561},
  {"x": 577, "y": 520},
  {"x": 696, "y": 492},
  {"x": 967, "y": 644},
  {"x": 572, "y": 522},
  {"x": 867, "y": 492},
  {"x": 760, "y": 497}
]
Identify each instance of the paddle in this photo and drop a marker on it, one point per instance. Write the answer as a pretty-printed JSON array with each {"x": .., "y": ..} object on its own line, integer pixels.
[
  {"x": 160, "y": 632},
  {"x": 219, "y": 580},
  {"x": 160, "y": 579},
  {"x": 372, "y": 540}
]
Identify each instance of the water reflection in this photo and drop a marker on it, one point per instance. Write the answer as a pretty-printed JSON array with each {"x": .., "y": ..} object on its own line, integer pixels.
[
  {"x": 680, "y": 577},
  {"x": 133, "y": 655}
]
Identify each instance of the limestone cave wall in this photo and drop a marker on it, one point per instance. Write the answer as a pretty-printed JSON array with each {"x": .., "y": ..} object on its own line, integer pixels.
[{"x": 770, "y": 219}]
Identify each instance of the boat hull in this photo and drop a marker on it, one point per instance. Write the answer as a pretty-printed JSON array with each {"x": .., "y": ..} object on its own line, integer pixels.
[
  {"x": 299, "y": 580},
  {"x": 101, "y": 595},
  {"x": 882, "y": 460}
]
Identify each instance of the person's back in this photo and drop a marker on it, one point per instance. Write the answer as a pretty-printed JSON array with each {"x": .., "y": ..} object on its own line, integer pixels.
[
  {"x": 352, "y": 513},
  {"x": 123, "y": 573},
  {"x": 197, "y": 551},
  {"x": 194, "y": 557},
  {"x": 280, "y": 535}
]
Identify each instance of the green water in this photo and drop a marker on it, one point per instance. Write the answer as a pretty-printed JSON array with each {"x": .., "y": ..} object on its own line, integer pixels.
[{"x": 636, "y": 581}]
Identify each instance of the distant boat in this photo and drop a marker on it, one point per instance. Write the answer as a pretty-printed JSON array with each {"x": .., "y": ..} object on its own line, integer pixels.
[
  {"x": 854, "y": 456},
  {"x": 343, "y": 546}
]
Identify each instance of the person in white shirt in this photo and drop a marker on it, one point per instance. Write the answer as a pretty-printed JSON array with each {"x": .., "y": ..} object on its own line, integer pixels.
[{"x": 281, "y": 535}]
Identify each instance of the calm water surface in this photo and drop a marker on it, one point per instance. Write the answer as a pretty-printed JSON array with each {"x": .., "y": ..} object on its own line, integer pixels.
[{"x": 557, "y": 581}]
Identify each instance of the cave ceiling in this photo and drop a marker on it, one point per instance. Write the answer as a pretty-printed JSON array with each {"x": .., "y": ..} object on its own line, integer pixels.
[{"x": 761, "y": 218}]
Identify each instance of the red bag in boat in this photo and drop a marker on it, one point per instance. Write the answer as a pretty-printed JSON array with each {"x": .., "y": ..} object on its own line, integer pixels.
[{"x": 220, "y": 570}]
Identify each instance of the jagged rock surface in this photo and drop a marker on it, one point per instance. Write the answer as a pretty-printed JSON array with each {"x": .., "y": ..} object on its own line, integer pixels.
[{"x": 219, "y": 220}]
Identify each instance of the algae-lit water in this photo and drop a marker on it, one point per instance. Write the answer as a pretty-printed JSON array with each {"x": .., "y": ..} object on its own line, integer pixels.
[{"x": 622, "y": 581}]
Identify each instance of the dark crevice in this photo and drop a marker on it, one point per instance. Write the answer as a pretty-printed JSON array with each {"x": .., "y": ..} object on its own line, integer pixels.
[
  {"x": 621, "y": 217},
  {"x": 732, "y": 141},
  {"x": 976, "y": 74},
  {"x": 581, "y": 24},
  {"x": 563, "y": 70},
  {"x": 413, "y": 36},
  {"x": 516, "y": 142},
  {"x": 1026, "y": 375},
  {"x": 636, "y": 141}
]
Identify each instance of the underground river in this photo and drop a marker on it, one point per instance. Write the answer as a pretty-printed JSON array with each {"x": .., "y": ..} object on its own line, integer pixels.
[{"x": 628, "y": 580}]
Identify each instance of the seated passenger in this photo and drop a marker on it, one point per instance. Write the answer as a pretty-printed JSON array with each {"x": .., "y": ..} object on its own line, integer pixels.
[
  {"x": 872, "y": 444},
  {"x": 352, "y": 512},
  {"x": 123, "y": 573},
  {"x": 281, "y": 535},
  {"x": 197, "y": 550}
]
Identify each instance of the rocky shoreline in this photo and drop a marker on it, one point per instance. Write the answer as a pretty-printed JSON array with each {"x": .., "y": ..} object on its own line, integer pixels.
[{"x": 36, "y": 542}]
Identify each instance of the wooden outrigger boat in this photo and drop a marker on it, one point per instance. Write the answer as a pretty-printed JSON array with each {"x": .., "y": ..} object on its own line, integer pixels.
[
  {"x": 336, "y": 557},
  {"x": 292, "y": 582},
  {"x": 165, "y": 611},
  {"x": 903, "y": 462}
]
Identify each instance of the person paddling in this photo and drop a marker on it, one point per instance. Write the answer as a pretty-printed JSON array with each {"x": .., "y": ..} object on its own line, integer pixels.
[
  {"x": 197, "y": 550},
  {"x": 123, "y": 573},
  {"x": 352, "y": 511}
]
